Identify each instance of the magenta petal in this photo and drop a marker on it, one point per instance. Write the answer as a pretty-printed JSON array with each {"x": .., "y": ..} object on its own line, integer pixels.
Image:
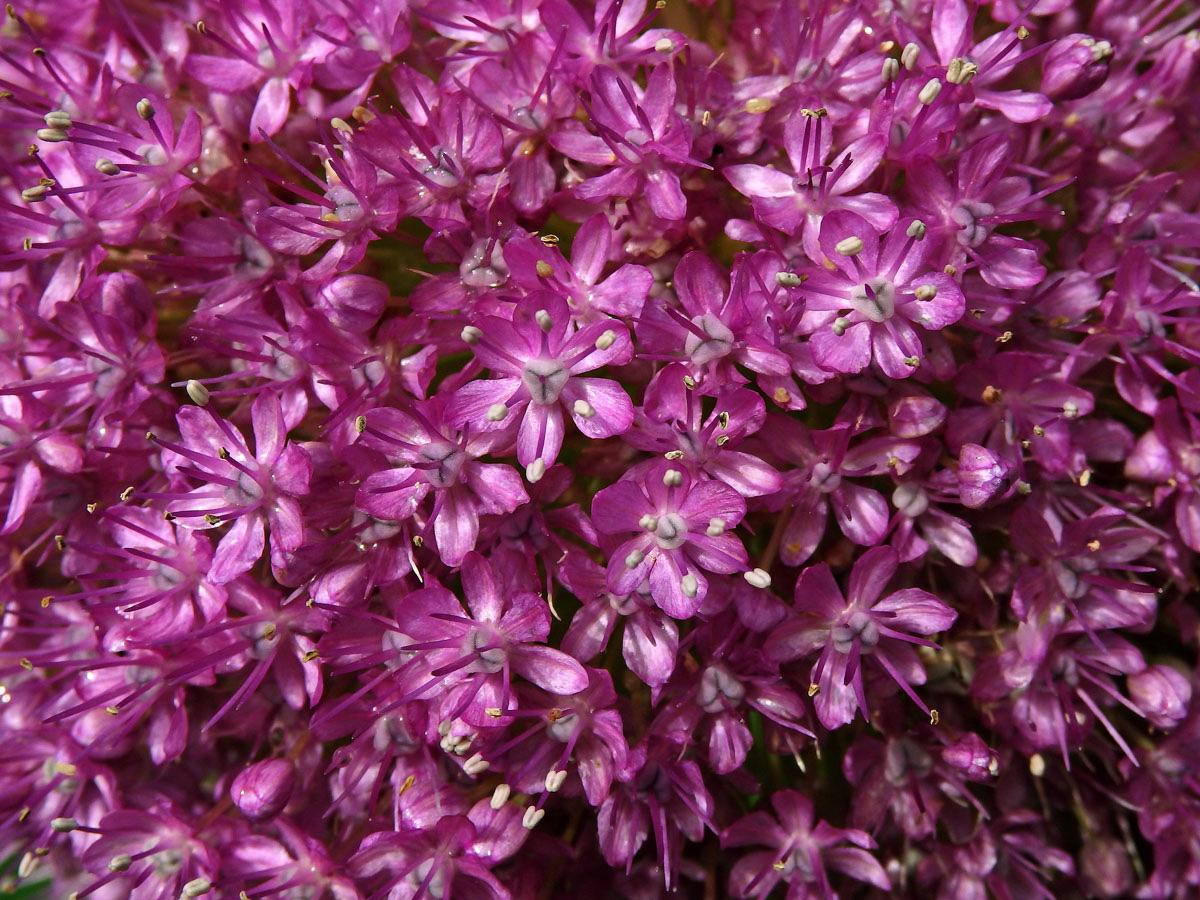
[
  {"x": 871, "y": 575},
  {"x": 456, "y": 527},
  {"x": 550, "y": 669},
  {"x": 271, "y": 110},
  {"x": 540, "y": 435},
  {"x": 916, "y": 611},
  {"x": 611, "y": 411},
  {"x": 618, "y": 507},
  {"x": 497, "y": 487},
  {"x": 666, "y": 587},
  {"x": 849, "y": 352},
  {"x": 26, "y": 487},
  {"x": 649, "y": 645},
  {"x": 239, "y": 550}
]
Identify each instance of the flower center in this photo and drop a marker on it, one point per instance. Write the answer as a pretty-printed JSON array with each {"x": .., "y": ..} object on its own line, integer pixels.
[
  {"x": 671, "y": 531},
  {"x": 718, "y": 343},
  {"x": 910, "y": 499},
  {"x": 967, "y": 215},
  {"x": 861, "y": 627},
  {"x": 482, "y": 644},
  {"x": 544, "y": 379},
  {"x": 718, "y": 689},
  {"x": 449, "y": 462},
  {"x": 875, "y": 299}
]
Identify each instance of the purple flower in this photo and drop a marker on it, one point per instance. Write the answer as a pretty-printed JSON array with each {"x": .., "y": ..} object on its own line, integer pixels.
[
  {"x": 539, "y": 357},
  {"x": 798, "y": 853},
  {"x": 846, "y": 631},
  {"x": 866, "y": 306},
  {"x": 262, "y": 790},
  {"x": 685, "y": 529},
  {"x": 252, "y": 489}
]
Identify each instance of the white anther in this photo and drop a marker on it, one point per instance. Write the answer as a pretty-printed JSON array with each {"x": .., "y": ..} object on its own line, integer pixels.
[
  {"x": 1070, "y": 409},
  {"x": 476, "y": 765},
  {"x": 916, "y": 229},
  {"x": 63, "y": 825},
  {"x": 58, "y": 118},
  {"x": 120, "y": 863},
  {"x": 1037, "y": 765},
  {"x": 51, "y": 135},
  {"x": 583, "y": 409},
  {"x": 197, "y": 392},
  {"x": 690, "y": 585},
  {"x": 672, "y": 478},
  {"x": 500, "y": 796},
  {"x": 756, "y": 106},
  {"x": 532, "y": 816},
  {"x": 35, "y": 194},
  {"x": 890, "y": 70},
  {"x": 196, "y": 887},
  {"x": 494, "y": 711},
  {"x": 909, "y": 55},
  {"x": 543, "y": 319},
  {"x": 145, "y": 109},
  {"x": 758, "y": 578},
  {"x": 839, "y": 326},
  {"x": 648, "y": 522},
  {"x": 912, "y": 361},
  {"x": 787, "y": 279},
  {"x": 606, "y": 340},
  {"x": 471, "y": 335},
  {"x": 961, "y": 71},
  {"x": 716, "y": 527},
  {"x": 555, "y": 779},
  {"x": 674, "y": 454},
  {"x": 496, "y": 412},
  {"x": 106, "y": 166},
  {"x": 925, "y": 292},
  {"x": 535, "y": 471},
  {"x": 851, "y": 246},
  {"x": 929, "y": 93},
  {"x": 664, "y": 45},
  {"x": 634, "y": 559}
]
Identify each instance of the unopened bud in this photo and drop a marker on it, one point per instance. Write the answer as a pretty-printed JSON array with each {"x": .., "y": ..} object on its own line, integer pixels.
[{"x": 263, "y": 789}]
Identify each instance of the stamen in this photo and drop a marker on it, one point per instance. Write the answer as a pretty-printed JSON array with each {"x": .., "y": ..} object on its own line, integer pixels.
[
  {"x": 197, "y": 392},
  {"x": 51, "y": 135},
  {"x": 584, "y": 409},
  {"x": 496, "y": 412},
  {"x": 851, "y": 246},
  {"x": 890, "y": 70},
  {"x": 689, "y": 584},
  {"x": 930, "y": 92},
  {"x": 60, "y": 119},
  {"x": 758, "y": 578},
  {"x": 500, "y": 795},
  {"x": 476, "y": 765},
  {"x": 909, "y": 55},
  {"x": 535, "y": 470},
  {"x": 648, "y": 522},
  {"x": 925, "y": 292},
  {"x": 788, "y": 279},
  {"x": 532, "y": 816},
  {"x": 634, "y": 559},
  {"x": 196, "y": 887},
  {"x": 543, "y": 320},
  {"x": 471, "y": 335},
  {"x": 716, "y": 527},
  {"x": 606, "y": 340},
  {"x": 120, "y": 863},
  {"x": 961, "y": 71},
  {"x": 839, "y": 326},
  {"x": 916, "y": 229},
  {"x": 672, "y": 478},
  {"x": 555, "y": 780},
  {"x": 146, "y": 109}
]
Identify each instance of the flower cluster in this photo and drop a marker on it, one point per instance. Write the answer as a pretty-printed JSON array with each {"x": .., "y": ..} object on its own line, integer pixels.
[{"x": 515, "y": 449}]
